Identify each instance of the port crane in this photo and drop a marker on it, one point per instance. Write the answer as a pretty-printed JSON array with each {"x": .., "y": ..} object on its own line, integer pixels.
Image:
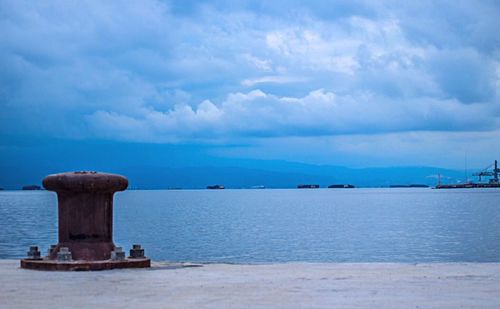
[{"x": 490, "y": 173}]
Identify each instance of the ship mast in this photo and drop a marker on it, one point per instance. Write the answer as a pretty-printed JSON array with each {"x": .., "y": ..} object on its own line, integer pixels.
[
  {"x": 495, "y": 172},
  {"x": 466, "y": 176}
]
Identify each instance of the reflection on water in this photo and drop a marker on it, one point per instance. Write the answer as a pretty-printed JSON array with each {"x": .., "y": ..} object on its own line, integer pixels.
[{"x": 253, "y": 226}]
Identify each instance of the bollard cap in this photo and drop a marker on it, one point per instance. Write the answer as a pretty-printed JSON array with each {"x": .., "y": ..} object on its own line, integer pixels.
[{"x": 85, "y": 181}]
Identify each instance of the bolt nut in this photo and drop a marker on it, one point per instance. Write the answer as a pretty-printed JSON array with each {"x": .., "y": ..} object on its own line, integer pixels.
[
  {"x": 118, "y": 254},
  {"x": 51, "y": 250},
  {"x": 136, "y": 252},
  {"x": 64, "y": 254},
  {"x": 33, "y": 253}
]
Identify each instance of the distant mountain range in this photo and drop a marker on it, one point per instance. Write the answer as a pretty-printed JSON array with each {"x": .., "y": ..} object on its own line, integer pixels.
[
  {"x": 242, "y": 177},
  {"x": 271, "y": 174}
]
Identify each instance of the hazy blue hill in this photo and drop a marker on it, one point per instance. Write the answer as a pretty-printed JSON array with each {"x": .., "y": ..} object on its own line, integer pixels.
[
  {"x": 164, "y": 166},
  {"x": 282, "y": 175}
]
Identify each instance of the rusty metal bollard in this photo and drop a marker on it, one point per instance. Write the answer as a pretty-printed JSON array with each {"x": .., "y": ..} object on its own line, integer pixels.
[{"x": 85, "y": 210}]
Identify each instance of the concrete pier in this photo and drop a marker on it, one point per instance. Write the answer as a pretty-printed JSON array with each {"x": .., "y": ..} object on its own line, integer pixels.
[{"x": 295, "y": 285}]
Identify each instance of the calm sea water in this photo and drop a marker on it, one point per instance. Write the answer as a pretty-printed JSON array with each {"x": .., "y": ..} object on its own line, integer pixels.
[{"x": 261, "y": 226}]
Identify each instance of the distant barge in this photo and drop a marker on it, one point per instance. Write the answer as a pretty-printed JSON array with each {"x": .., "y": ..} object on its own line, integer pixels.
[
  {"x": 307, "y": 186},
  {"x": 341, "y": 186},
  {"x": 215, "y": 187},
  {"x": 31, "y": 187}
]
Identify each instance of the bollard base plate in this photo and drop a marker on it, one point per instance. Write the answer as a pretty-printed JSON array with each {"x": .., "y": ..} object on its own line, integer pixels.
[{"x": 78, "y": 265}]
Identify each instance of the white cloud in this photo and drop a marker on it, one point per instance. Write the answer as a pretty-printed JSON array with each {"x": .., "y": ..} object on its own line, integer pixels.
[
  {"x": 319, "y": 113},
  {"x": 308, "y": 50},
  {"x": 271, "y": 79},
  {"x": 265, "y": 65}
]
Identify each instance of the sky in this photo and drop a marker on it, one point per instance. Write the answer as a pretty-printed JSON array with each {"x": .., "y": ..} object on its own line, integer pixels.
[{"x": 347, "y": 83}]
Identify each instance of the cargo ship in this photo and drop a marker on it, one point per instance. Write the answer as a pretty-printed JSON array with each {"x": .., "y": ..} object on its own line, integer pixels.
[
  {"x": 307, "y": 186},
  {"x": 215, "y": 187},
  {"x": 491, "y": 171},
  {"x": 341, "y": 186},
  {"x": 31, "y": 187}
]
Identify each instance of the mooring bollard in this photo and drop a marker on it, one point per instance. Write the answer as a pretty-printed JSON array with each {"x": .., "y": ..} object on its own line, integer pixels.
[{"x": 85, "y": 209}]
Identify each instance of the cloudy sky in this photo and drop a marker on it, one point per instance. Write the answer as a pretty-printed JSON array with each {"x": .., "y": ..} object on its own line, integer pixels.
[{"x": 354, "y": 83}]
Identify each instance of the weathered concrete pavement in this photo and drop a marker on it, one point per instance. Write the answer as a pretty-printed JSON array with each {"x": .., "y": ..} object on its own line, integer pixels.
[{"x": 296, "y": 285}]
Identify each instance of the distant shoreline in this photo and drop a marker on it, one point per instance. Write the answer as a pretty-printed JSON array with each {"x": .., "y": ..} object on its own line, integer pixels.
[{"x": 271, "y": 188}]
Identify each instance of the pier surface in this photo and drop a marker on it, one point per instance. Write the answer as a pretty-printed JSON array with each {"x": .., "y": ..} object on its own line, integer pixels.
[{"x": 294, "y": 285}]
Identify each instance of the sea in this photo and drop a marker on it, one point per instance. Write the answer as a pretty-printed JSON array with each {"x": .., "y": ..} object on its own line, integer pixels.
[{"x": 410, "y": 225}]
